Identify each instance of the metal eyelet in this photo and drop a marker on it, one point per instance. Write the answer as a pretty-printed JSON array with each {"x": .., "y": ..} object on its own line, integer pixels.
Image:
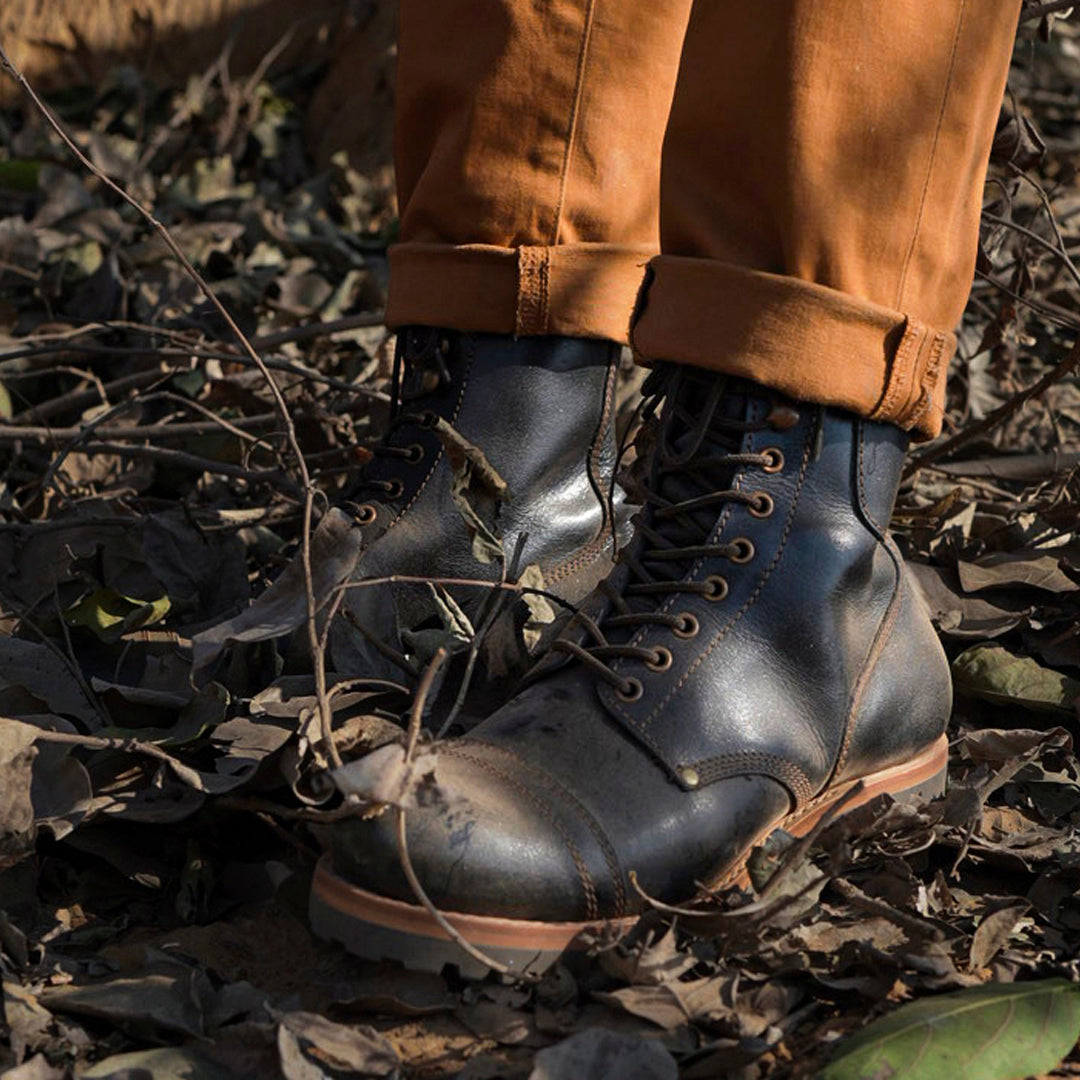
[
  {"x": 716, "y": 588},
  {"x": 394, "y": 489},
  {"x": 414, "y": 453},
  {"x": 776, "y": 459},
  {"x": 365, "y": 514},
  {"x": 663, "y": 659},
  {"x": 746, "y": 550},
  {"x": 688, "y": 626},
  {"x": 633, "y": 691},
  {"x": 762, "y": 506},
  {"x": 429, "y": 419}
]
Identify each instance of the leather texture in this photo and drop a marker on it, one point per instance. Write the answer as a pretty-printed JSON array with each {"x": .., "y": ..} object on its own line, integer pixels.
[
  {"x": 541, "y": 410},
  {"x": 814, "y": 662}
]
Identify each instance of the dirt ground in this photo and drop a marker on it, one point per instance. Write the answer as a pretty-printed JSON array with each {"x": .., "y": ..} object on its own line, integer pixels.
[{"x": 160, "y": 816}]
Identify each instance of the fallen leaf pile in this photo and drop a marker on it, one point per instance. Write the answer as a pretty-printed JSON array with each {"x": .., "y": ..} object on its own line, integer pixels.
[{"x": 164, "y": 792}]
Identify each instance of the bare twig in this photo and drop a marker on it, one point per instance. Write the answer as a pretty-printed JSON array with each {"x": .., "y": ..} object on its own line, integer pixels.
[
  {"x": 1039, "y": 11},
  {"x": 12, "y": 433},
  {"x": 318, "y": 656},
  {"x": 1062, "y": 370}
]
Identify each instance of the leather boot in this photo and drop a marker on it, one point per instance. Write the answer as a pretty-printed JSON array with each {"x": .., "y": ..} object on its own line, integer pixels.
[
  {"x": 758, "y": 652},
  {"x": 541, "y": 412}
]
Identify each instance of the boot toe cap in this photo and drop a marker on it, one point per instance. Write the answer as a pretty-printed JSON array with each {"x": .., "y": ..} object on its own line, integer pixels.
[{"x": 480, "y": 841}]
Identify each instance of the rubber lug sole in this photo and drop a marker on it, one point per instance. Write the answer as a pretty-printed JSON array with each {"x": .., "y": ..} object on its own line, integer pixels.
[{"x": 380, "y": 928}]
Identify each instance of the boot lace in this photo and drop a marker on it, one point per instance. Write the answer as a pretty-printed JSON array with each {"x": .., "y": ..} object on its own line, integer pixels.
[
  {"x": 695, "y": 464},
  {"x": 420, "y": 371}
]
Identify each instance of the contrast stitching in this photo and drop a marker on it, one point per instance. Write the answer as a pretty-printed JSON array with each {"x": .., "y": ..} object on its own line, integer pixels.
[
  {"x": 870, "y": 663},
  {"x": 573, "y": 121},
  {"x": 591, "y": 905},
  {"x": 602, "y": 841},
  {"x": 933, "y": 155},
  {"x": 929, "y": 380},
  {"x": 749, "y": 602},
  {"x": 760, "y": 762},
  {"x": 595, "y": 547},
  {"x": 902, "y": 363}
]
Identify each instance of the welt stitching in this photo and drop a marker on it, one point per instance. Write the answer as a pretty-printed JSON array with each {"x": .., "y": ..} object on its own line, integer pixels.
[
  {"x": 587, "y": 884},
  {"x": 933, "y": 154},
  {"x": 575, "y": 109},
  {"x": 545, "y": 778},
  {"x": 748, "y": 603}
]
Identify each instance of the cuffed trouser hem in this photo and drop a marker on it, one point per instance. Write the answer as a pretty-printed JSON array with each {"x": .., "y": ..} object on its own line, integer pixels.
[
  {"x": 574, "y": 290},
  {"x": 811, "y": 342}
]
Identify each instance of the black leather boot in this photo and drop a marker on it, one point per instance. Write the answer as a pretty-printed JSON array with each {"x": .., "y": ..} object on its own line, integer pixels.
[
  {"x": 759, "y": 651},
  {"x": 541, "y": 412}
]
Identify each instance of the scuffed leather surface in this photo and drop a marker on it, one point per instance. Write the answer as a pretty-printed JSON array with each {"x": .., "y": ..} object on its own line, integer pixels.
[
  {"x": 820, "y": 664},
  {"x": 540, "y": 410}
]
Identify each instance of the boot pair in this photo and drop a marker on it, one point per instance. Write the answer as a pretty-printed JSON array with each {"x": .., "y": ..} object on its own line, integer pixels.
[{"x": 756, "y": 655}]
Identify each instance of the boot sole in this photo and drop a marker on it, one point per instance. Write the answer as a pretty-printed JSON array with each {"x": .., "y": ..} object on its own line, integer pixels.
[{"x": 379, "y": 928}]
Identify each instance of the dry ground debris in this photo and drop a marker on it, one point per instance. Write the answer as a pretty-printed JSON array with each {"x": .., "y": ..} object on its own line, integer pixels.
[{"x": 163, "y": 795}]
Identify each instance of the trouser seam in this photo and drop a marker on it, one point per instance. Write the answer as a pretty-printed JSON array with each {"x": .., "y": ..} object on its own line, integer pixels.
[
  {"x": 575, "y": 112},
  {"x": 902, "y": 286}
]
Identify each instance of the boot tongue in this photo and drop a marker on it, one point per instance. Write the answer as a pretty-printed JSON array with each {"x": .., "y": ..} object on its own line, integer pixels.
[{"x": 703, "y": 420}]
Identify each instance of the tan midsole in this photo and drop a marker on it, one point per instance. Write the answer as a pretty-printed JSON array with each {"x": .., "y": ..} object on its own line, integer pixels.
[{"x": 494, "y": 932}]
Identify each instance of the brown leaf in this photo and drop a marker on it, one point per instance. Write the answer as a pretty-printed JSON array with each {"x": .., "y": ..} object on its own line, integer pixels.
[
  {"x": 309, "y": 1043},
  {"x": 994, "y": 932}
]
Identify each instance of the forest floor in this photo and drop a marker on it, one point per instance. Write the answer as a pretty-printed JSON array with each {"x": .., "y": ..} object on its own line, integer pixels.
[{"x": 162, "y": 809}]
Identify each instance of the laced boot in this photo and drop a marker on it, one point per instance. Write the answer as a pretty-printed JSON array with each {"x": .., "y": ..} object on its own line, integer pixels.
[
  {"x": 541, "y": 412},
  {"x": 759, "y": 655}
]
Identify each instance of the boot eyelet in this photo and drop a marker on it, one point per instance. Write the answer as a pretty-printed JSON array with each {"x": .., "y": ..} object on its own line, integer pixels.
[
  {"x": 745, "y": 550},
  {"x": 365, "y": 514},
  {"x": 762, "y": 506},
  {"x": 776, "y": 459},
  {"x": 429, "y": 419},
  {"x": 414, "y": 453},
  {"x": 716, "y": 588},
  {"x": 394, "y": 489},
  {"x": 632, "y": 691},
  {"x": 663, "y": 659},
  {"x": 688, "y": 626}
]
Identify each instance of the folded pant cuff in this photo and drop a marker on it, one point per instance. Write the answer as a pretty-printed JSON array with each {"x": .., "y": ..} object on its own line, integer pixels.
[
  {"x": 811, "y": 342},
  {"x": 576, "y": 290}
]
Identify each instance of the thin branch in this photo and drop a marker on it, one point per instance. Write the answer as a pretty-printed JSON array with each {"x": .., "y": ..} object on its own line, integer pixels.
[
  {"x": 318, "y": 656},
  {"x": 12, "y": 433},
  {"x": 1067, "y": 367}
]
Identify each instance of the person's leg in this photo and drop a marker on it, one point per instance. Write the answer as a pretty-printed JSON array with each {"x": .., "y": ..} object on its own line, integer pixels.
[
  {"x": 529, "y": 138},
  {"x": 760, "y": 657},
  {"x": 528, "y": 161},
  {"x": 821, "y": 201}
]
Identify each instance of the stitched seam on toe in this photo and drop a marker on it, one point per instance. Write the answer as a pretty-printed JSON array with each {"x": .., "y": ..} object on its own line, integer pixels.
[
  {"x": 607, "y": 849},
  {"x": 588, "y": 886}
]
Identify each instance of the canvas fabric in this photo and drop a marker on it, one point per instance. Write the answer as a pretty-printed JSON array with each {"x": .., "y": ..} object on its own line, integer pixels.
[{"x": 786, "y": 191}]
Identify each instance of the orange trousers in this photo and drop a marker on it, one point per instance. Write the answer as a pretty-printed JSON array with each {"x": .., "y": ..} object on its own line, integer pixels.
[{"x": 786, "y": 190}]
